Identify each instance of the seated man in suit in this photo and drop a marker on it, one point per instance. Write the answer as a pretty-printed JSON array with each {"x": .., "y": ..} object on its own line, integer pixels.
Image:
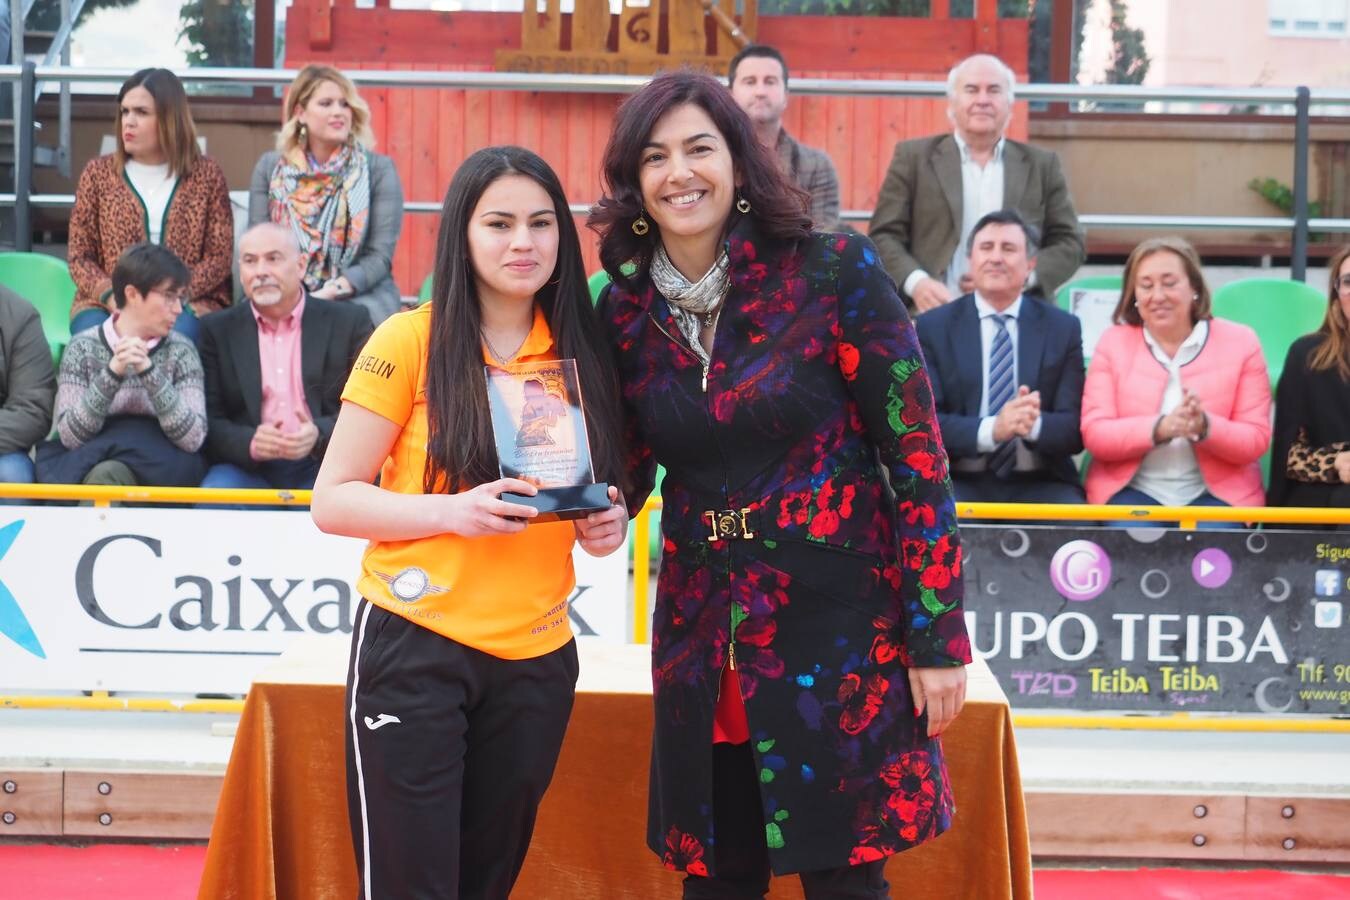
[
  {"x": 129, "y": 406},
  {"x": 275, "y": 367},
  {"x": 938, "y": 187},
  {"x": 1007, "y": 376}
]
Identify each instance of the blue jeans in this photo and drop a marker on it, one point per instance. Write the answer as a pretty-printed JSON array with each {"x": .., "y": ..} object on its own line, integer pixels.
[
  {"x": 16, "y": 468},
  {"x": 186, "y": 325},
  {"x": 1129, "y": 496},
  {"x": 277, "y": 474}
]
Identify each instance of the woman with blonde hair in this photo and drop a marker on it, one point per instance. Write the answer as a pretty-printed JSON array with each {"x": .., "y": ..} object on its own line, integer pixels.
[
  {"x": 157, "y": 186},
  {"x": 1176, "y": 407},
  {"x": 1310, "y": 465},
  {"x": 342, "y": 200}
]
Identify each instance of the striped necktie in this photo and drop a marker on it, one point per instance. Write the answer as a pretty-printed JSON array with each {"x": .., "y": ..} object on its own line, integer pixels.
[{"x": 1001, "y": 390}]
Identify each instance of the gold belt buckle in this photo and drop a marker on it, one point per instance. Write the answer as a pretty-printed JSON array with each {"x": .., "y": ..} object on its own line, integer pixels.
[{"x": 726, "y": 524}]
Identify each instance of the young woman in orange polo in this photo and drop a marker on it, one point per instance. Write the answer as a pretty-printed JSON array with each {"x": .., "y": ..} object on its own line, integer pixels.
[{"x": 463, "y": 665}]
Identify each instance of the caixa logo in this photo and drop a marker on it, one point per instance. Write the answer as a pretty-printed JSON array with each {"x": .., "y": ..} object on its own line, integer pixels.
[
  {"x": 13, "y": 623},
  {"x": 321, "y": 605}
]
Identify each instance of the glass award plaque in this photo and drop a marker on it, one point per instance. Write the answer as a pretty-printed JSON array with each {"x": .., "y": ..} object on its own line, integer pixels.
[{"x": 539, "y": 425}]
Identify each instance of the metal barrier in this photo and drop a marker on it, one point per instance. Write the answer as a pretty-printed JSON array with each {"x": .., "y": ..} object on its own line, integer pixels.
[
  {"x": 1186, "y": 516},
  {"x": 1300, "y": 98}
]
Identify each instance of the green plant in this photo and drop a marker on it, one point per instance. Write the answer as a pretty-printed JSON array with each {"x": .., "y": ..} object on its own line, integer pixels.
[
  {"x": 217, "y": 34},
  {"x": 1282, "y": 196}
]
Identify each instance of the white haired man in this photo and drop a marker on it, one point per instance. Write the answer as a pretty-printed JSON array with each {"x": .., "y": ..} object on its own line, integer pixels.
[{"x": 938, "y": 187}]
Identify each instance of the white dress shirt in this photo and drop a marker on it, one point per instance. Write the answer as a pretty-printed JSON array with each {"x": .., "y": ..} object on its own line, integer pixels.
[
  {"x": 981, "y": 194},
  {"x": 1169, "y": 472},
  {"x": 1024, "y": 460},
  {"x": 155, "y": 186}
]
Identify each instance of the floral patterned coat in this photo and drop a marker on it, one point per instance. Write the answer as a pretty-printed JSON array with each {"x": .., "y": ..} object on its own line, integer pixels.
[{"x": 831, "y": 583}]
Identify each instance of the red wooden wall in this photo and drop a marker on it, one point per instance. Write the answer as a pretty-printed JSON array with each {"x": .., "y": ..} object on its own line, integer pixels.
[{"x": 428, "y": 132}]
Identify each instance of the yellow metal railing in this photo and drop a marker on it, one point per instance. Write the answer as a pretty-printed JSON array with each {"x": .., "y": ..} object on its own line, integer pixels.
[
  {"x": 1186, "y": 516},
  {"x": 101, "y": 495}
]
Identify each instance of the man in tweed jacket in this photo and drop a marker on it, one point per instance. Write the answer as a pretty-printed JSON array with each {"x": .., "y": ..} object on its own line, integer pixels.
[{"x": 759, "y": 84}]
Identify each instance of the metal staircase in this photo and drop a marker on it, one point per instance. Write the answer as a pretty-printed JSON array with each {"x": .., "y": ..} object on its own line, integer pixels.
[{"x": 45, "y": 48}]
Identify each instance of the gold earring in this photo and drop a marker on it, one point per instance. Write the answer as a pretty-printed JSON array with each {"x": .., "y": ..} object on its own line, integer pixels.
[
  {"x": 640, "y": 226},
  {"x": 743, "y": 205},
  {"x": 303, "y": 133}
]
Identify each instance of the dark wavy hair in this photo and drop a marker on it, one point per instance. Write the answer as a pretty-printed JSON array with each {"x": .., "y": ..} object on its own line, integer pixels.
[
  {"x": 461, "y": 452},
  {"x": 778, "y": 207}
]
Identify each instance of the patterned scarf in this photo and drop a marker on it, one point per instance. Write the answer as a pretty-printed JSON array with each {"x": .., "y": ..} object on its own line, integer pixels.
[
  {"x": 326, "y": 206},
  {"x": 692, "y": 303}
]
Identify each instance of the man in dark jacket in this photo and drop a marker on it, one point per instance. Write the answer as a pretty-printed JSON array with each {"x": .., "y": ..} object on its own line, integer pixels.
[
  {"x": 275, "y": 368},
  {"x": 27, "y": 386}
]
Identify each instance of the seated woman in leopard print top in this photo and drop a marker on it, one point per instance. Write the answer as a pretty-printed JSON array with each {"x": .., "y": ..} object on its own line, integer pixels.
[
  {"x": 157, "y": 187},
  {"x": 1310, "y": 465}
]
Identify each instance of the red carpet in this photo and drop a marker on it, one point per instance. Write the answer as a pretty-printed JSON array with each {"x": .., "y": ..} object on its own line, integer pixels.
[
  {"x": 138, "y": 871},
  {"x": 1187, "y": 884},
  {"x": 105, "y": 871}
]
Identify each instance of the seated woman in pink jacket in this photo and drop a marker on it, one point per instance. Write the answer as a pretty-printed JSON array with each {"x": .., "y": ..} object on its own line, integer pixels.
[{"x": 1176, "y": 408}]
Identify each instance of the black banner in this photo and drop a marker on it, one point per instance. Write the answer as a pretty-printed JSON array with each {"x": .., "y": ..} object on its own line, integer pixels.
[{"x": 1161, "y": 619}]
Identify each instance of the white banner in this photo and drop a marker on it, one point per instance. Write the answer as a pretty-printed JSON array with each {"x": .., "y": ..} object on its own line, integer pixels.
[{"x": 193, "y": 601}]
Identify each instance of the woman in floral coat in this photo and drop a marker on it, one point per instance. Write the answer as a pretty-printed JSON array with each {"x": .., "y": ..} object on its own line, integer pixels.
[{"x": 808, "y": 643}]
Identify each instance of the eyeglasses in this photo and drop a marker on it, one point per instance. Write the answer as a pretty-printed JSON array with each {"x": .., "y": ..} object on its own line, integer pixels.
[
  {"x": 180, "y": 296},
  {"x": 1343, "y": 283}
]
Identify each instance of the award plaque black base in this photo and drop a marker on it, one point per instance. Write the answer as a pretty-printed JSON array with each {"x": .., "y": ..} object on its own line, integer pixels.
[{"x": 563, "y": 503}]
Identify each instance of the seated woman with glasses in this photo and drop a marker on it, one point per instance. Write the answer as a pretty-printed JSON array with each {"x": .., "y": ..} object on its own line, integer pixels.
[
  {"x": 131, "y": 403},
  {"x": 341, "y": 200},
  {"x": 158, "y": 187},
  {"x": 1310, "y": 465},
  {"x": 1176, "y": 408}
]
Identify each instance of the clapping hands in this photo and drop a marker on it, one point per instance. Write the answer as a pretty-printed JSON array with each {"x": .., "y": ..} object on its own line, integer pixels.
[
  {"x": 1018, "y": 416},
  {"x": 1188, "y": 420}
]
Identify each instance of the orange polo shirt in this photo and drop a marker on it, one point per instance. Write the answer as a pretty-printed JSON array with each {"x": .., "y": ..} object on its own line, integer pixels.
[{"x": 505, "y": 595}]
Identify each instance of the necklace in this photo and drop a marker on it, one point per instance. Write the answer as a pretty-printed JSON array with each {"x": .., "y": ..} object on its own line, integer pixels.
[{"x": 497, "y": 355}]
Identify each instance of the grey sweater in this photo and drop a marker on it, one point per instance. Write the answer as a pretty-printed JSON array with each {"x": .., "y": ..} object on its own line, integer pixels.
[
  {"x": 27, "y": 378},
  {"x": 171, "y": 390},
  {"x": 370, "y": 271}
]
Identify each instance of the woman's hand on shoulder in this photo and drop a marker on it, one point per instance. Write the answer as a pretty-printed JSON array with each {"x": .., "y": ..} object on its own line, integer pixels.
[
  {"x": 481, "y": 512},
  {"x": 941, "y": 691},
  {"x": 601, "y": 533}
]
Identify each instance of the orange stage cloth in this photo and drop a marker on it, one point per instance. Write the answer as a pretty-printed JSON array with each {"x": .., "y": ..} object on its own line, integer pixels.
[{"x": 281, "y": 831}]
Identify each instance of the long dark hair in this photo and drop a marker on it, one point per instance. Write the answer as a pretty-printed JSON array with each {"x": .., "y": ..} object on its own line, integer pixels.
[
  {"x": 173, "y": 119},
  {"x": 778, "y": 207},
  {"x": 1334, "y": 348},
  {"x": 460, "y": 448}
]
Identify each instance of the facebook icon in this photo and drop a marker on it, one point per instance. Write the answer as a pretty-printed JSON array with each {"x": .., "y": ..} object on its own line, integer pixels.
[{"x": 1327, "y": 582}]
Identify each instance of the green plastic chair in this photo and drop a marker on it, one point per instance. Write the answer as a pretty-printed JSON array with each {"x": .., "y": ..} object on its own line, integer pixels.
[
  {"x": 425, "y": 293},
  {"x": 43, "y": 281},
  {"x": 597, "y": 284},
  {"x": 1279, "y": 311},
  {"x": 598, "y": 281}
]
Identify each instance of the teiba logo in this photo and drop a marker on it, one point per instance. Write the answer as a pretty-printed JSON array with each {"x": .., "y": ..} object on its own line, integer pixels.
[{"x": 13, "y": 623}]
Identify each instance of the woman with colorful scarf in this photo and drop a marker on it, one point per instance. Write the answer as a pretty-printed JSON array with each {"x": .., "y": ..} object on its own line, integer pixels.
[{"x": 343, "y": 201}]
